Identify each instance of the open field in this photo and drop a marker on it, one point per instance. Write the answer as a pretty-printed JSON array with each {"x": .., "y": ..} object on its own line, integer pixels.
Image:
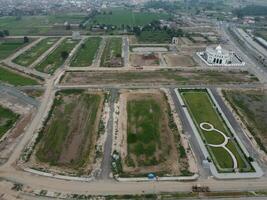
[
  {"x": 86, "y": 53},
  {"x": 202, "y": 110},
  {"x": 7, "y": 120},
  {"x": 174, "y": 60},
  {"x": 28, "y": 57},
  {"x": 34, "y": 25},
  {"x": 13, "y": 78},
  {"x": 157, "y": 77},
  {"x": 111, "y": 56},
  {"x": 55, "y": 59},
  {"x": 154, "y": 37},
  {"x": 9, "y": 46},
  {"x": 152, "y": 139},
  {"x": 69, "y": 135},
  {"x": 250, "y": 105},
  {"x": 144, "y": 60},
  {"x": 119, "y": 17}
]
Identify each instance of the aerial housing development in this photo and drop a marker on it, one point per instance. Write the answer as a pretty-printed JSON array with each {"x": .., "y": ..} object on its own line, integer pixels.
[{"x": 133, "y": 99}]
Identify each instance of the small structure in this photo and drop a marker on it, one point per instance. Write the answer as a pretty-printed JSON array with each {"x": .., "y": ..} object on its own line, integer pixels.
[
  {"x": 76, "y": 35},
  {"x": 220, "y": 57},
  {"x": 175, "y": 40}
]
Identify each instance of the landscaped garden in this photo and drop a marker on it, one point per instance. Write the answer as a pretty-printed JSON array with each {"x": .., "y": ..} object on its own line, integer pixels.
[{"x": 224, "y": 149}]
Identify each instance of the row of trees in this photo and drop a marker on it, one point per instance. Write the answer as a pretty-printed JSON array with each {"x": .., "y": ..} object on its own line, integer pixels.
[{"x": 4, "y": 33}]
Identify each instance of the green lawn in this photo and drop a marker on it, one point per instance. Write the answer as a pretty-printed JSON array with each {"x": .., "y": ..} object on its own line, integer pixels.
[
  {"x": 86, "y": 53},
  {"x": 143, "y": 130},
  {"x": 7, "y": 120},
  {"x": 125, "y": 17},
  {"x": 10, "y": 77},
  {"x": 55, "y": 60},
  {"x": 202, "y": 110},
  {"x": 28, "y": 57},
  {"x": 112, "y": 53},
  {"x": 73, "y": 118},
  {"x": 9, "y": 46}
]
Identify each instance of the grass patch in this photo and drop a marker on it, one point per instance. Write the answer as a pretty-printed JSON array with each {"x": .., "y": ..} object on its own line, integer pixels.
[
  {"x": 250, "y": 105},
  {"x": 69, "y": 134},
  {"x": 55, "y": 59},
  {"x": 28, "y": 57},
  {"x": 13, "y": 78},
  {"x": 7, "y": 120},
  {"x": 9, "y": 46},
  {"x": 86, "y": 53},
  {"x": 154, "y": 37},
  {"x": 111, "y": 56},
  {"x": 143, "y": 126}
]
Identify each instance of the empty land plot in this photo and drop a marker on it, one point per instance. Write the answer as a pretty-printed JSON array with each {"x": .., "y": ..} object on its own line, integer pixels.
[
  {"x": 14, "y": 78},
  {"x": 153, "y": 141},
  {"x": 111, "y": 56},
  {"x": 157, "y": 77},
  {"x": 174, "y": 60},
  {"x": 203, "y": 110},
  {"x": 28, "y": 57},
  {"x": 86, "y": 53},
  {"x": 57, "y": 57},
  {"x": 7, "y": 120},
  {"x": 144, "y": 59},
  {"x": 9, "y": 46},
  {"x": 252, "y": 108},
  {"x": 68, "y": 137}
]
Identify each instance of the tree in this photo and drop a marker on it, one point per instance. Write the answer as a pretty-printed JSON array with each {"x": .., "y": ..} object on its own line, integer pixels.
[
  {"x": 68, "y": 27},
  {"x": 64, "y": 55},
  {"x": 6, "y": 32},
  {"x": 2, "y": 34},
  {"x": 26, "y": 39}
]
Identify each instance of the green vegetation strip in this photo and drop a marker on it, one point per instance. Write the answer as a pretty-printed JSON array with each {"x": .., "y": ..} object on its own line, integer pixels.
[
  {"x": 86, "y": 53},
  {"x": 9, "y": 46},
  {"x": 57, "y": 57},
  {"x": 72, "y": 117},
  {"x": 112, "y": 52},
  {"x": 201, "y": 110},
  {"x": 13, "y": 78},
  {"x": 28, "y": 57},
  {"x": 7, "y": 120}
]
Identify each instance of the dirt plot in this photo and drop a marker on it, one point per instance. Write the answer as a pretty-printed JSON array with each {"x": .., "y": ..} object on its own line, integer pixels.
[
  {"x": 69, "y": 136},
  {"x": 151, "y": 59},
  {"x": 174, "y": 60},
  {"x": 251, "y": 106},
  {"x": 157, "y": 77},
  {"x": 151, "y": 140}
]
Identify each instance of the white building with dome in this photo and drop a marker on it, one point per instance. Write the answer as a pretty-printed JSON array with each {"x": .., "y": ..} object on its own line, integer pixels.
[{"x": 220, "y": 57}]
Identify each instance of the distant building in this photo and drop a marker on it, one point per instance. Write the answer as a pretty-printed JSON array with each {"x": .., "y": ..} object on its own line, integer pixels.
[
  {"x": 175, "y": 40},
  {"x": 220, "y": 57},
  {"x": 76, "y": 35}
]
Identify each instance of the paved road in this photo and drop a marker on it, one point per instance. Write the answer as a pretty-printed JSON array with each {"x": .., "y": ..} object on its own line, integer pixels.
[
  {"x": 106, "y": 163},
  {"x": 20, "y": 97},
  {"x": 251, "y": 62},
  {"x": 203, "y": 173},
  {"x": 126, "y": 51}
]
